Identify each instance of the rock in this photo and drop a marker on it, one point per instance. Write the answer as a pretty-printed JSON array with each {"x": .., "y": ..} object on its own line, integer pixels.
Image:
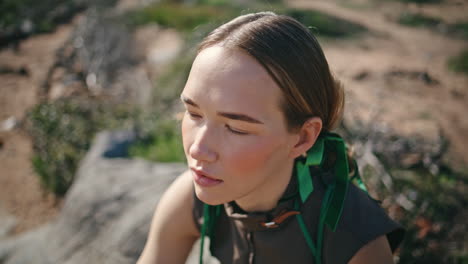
[
  {"x": 7, "y": 223},
  {"x": 22, "y": 71},
  {"x": 8, "y": 124},
  {"x": 106, "y": 213},
  {"x": 423, "y": 76},
  {"x": 362, "y": 75}
]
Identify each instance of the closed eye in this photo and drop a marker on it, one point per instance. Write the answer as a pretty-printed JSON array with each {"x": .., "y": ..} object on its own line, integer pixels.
[
  {"x": 193, "y": 115},
  {"x": 235, "y": 131}
]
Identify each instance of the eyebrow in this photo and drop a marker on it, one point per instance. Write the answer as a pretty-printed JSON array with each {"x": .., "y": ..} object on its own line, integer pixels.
[
  {"x": 188, "y": 101},
  {"x": 234, "y": 116}
]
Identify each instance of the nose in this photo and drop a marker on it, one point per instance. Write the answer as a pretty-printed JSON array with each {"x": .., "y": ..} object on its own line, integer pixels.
[{"x": 202, "y": 148}]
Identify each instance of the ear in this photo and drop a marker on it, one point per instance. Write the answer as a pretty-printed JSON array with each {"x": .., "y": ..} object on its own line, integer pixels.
[{"x": 307, "y": 135}]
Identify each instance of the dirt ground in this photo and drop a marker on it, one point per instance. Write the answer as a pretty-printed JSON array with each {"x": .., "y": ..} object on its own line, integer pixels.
[
  {"x": 394, "y": 75},
  {"x": 20, "y": 191}
]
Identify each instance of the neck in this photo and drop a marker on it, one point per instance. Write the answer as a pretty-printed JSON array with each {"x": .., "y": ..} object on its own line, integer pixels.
[{"x": 266, "y": 197}]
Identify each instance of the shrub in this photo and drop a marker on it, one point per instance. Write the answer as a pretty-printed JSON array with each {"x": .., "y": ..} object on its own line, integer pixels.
[
  {"x": 421, "y": 1},
  {"x": 62, "y": 131},
  {"x": 21, "y": 18},
  {"x": 175, "y": 15},
  {"x": 436, "y": 226},
  {"x": 459, "y": 63},
  {"x": 418, "y": 20},
  {"x": 459, "y": 29},
  {"x": 325, "y": 25},
  {"x": 163, "y": 143}
]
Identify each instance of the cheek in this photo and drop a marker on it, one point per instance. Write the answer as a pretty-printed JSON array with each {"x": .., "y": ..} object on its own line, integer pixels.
[{"x": 254, "y": 157}]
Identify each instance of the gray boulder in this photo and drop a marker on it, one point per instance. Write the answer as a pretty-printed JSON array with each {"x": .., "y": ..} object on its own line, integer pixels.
[{"x": 106, "y": 214}]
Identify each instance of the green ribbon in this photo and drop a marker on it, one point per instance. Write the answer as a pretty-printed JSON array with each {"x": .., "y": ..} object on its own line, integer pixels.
[
  {"x": 315, "y": 156},
  {"x": 337, "y": 199},
  {"x": 210, "y": 214}
]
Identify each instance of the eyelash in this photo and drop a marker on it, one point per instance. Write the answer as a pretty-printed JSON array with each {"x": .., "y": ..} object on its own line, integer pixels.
[
  {"x": 192, "y": 115},
  {"x": 236, "y": 132}
]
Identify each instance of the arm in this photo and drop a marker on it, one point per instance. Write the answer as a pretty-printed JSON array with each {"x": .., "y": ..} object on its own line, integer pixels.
[
  {"x": 173, "y": 231},
  {"x": 376, "y": 251}
]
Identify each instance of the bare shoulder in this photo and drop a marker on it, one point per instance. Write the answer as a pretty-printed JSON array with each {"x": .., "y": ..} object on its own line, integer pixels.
[
  {"x": 376, "y": 251},
  {"x": 173, "y": 230},
  {"x": 177, "y": 201}
]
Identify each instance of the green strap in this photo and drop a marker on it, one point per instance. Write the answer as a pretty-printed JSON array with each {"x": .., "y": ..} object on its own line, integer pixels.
[
  {"x": 335, "y": 209},
  {"x": 357, "y": 177},
  {"x": 315, "y": 158},
  {"x": 315, "y": 249},
  {"x": 210, "y": 214},
  {"x": 307, "y": 237},
  {"x": 206, "y": 220}
]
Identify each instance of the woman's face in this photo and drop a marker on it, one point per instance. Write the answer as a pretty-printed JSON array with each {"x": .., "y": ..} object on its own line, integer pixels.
[{"x": 234, "y": 134}]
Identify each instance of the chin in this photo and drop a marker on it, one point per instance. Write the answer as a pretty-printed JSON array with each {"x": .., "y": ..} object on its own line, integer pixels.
[{"x": 209, "y": 198}]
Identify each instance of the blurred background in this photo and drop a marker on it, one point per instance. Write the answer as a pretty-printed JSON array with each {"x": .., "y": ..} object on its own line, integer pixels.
[{"x": 72, "y": 68}]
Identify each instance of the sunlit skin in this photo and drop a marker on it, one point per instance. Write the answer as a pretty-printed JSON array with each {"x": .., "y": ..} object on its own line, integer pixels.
[{"x": 234, "y": 130}]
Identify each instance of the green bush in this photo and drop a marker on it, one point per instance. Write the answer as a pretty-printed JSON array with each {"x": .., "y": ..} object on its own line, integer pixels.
[
  {"x": 325, "y": 25},
  {"x": 422, "y": 1},
  {"x": 163, "y": 144},
  {"x": 437, "y": 225},
  {"x": 459, "y": 29},
  {"x": 418, "y": 20},
  {"x": 214, "y": 2},
  {"x": 175, "y": 15},
  {"x": 44, "y": 15},
  {"x": 459, "y": 63},
  {"x": 62, "y": 132}
]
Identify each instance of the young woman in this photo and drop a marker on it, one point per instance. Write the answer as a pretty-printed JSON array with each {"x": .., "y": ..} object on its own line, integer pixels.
[{"x": 267, "y": 181}]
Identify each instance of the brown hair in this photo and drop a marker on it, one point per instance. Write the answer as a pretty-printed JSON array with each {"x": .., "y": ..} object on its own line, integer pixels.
[{"x": 293, "y": 58}]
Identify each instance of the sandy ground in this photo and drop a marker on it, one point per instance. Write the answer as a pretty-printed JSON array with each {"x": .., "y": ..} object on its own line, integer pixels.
[{"x": 376, "y": 69}]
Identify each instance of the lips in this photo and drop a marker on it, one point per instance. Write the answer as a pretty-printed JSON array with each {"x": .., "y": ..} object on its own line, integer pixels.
[{"x": 203, "y": 179}]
